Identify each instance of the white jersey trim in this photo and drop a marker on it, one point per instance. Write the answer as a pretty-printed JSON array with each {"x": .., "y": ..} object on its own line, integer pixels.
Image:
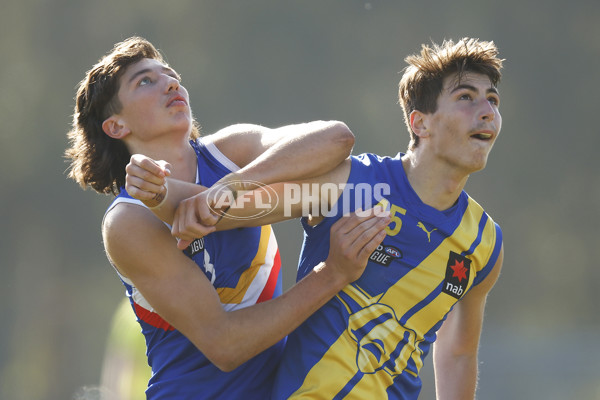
[
  {"x": 259, "y": 282},
  {"x": 137, "y": 297},
  {"x": 216, "y": 153}
]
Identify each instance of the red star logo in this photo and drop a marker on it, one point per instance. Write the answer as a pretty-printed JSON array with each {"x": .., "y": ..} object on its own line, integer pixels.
[{"x": 459, "y": 269}]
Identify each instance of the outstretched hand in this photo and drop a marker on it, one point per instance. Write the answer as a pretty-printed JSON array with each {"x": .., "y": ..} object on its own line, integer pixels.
[{"x": 353, "y": 239}]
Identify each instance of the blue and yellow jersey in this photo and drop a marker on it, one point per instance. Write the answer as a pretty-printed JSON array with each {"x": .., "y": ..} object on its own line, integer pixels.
[
  {"x": 244, "y": 267},
  {"x": 369, "y": 341}
]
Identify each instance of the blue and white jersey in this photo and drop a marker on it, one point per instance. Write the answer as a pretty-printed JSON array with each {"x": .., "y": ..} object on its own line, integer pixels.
[{"x": 244, "y": 267}]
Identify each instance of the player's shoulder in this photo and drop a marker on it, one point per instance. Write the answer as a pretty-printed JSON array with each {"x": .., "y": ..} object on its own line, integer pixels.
[
  {"x": 494, "y": 228},
  {"x": 472, "y": 202},
  {"x": 129, "y": 217},
  {"x": 368, "y": 167},
  {"x": 372, "y": 159},
  {"x": 232, "y": 136},
  {"x": 131, "y": 233},
  {"x": 237, "y": 143}
]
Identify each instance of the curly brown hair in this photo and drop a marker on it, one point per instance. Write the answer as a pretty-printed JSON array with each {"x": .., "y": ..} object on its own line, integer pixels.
[
  {"x": 423, "y": 79},
  {"x": 96, "y": 159}
]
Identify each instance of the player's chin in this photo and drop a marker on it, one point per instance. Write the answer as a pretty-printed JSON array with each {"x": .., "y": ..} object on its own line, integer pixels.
[
  {"x": 476, "y": 163},
  {"x": 480, "y": 164}
]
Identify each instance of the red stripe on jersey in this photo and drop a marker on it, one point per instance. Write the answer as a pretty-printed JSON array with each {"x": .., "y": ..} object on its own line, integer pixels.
[
  {"x": 269, "y": 288},
  {"x": 152, "y": 318}
]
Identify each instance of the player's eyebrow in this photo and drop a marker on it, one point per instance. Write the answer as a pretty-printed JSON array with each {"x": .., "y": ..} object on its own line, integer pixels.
[
  {"x": 138, "y": 73},
  {"x": 491, "y": 89},
  {"x": 143, "y": 71}
]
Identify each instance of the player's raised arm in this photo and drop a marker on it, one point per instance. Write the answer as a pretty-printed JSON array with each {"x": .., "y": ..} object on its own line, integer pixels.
[
  {"x": 288, "y": 153},
  {"x": 265, "y": 205},
  {"x": 265, "y": 155}
]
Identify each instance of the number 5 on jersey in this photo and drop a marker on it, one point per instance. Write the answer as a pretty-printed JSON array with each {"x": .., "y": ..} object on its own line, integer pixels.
[{"x": 396, "y": 222}]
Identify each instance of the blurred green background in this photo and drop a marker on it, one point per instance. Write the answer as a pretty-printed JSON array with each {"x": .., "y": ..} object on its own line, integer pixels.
[{"x": 279, "y": 62}]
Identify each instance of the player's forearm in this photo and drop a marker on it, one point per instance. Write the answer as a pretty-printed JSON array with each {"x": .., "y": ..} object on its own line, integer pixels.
[
  {"x": 176, "y": 191},
  {"x": 288, "y": 199},
  {"x": 455, "y": 377},
  {"x": 249, "y": 331},
  {"x": 304, "y": 151}
]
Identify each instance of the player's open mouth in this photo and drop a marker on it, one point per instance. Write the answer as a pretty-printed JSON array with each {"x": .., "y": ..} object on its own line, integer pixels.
[{"x": 482, "y": 136}]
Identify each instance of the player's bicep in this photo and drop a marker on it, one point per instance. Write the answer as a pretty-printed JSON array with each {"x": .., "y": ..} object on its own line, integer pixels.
[
  {"x": 242, "y": 143},
  {"x": 460, "y": 332}
]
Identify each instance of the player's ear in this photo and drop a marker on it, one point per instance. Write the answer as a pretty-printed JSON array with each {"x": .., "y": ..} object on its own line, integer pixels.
[
  {"x": 418, "y": 123},
  {"x": 115, "y": 127}
]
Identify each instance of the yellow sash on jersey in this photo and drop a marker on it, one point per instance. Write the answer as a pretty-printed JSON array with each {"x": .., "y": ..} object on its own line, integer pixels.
[{"x": 372, "y": 356}]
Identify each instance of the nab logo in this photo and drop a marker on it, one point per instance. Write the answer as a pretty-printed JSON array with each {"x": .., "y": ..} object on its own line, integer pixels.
[
  {"x": 195, "y": 247},
  {"x": 457, "y": 275},
  {"x": 384, "y": 255}
]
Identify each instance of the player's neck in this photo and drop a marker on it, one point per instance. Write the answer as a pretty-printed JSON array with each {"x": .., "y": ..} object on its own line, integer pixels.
[{"x": 435, "y": 184}]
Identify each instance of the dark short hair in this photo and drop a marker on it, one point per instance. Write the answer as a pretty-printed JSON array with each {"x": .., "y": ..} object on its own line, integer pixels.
[{"x": 423, "y": 78}]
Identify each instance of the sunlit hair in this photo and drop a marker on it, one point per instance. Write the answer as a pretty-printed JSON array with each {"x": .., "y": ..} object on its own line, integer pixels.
[
  {"x": 97, "y": 160},
  {"x": 423, "y": 78}
]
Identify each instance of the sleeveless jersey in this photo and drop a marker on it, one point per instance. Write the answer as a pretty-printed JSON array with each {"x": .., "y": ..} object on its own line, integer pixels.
[
  {"x": 244, "y": 267},
  {"x": 369, "y": 341}
]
